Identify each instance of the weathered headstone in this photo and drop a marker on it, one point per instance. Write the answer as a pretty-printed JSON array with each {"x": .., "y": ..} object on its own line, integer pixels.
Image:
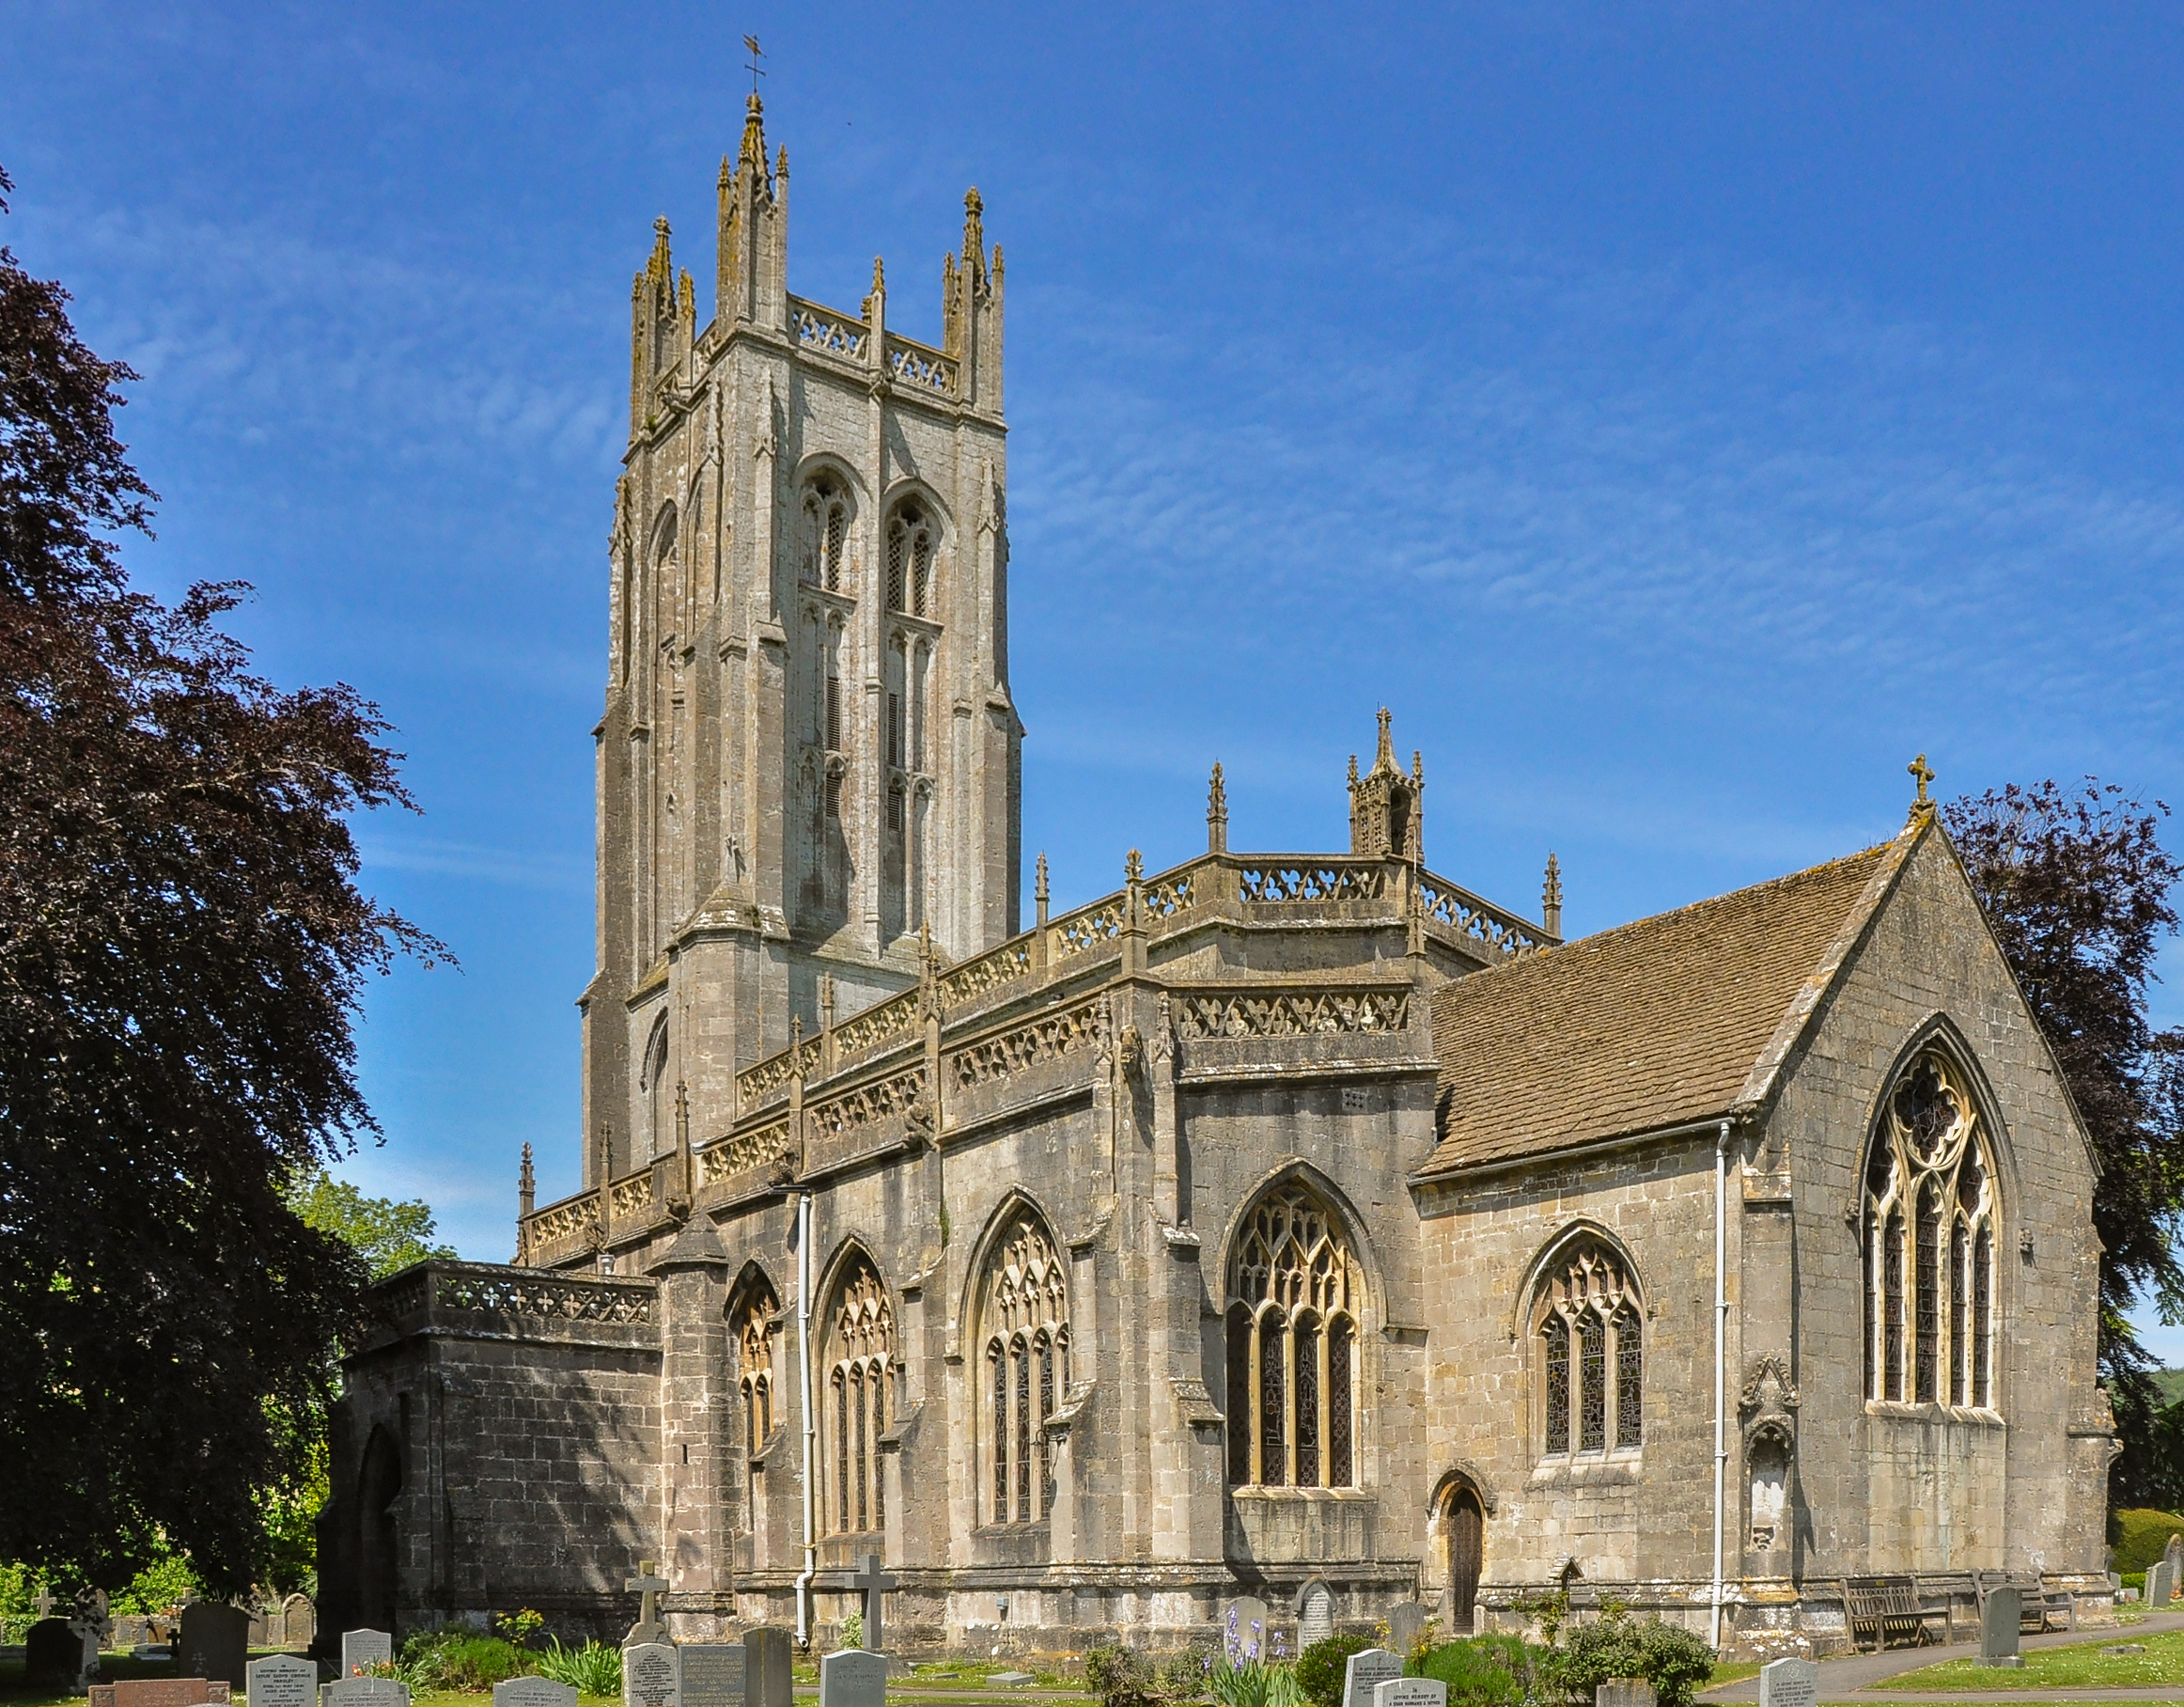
[
  {"x": 299, "y": 1622},
  {"x": 1243, "y": 1628},
  {"x": 768, "y": 1678},
  {"x": 852, "y": 1677},
  {"x": 1999, "y": 1623},
  {"x": 712, "y": 1675},
  {"x": 1366, "y": 1671},
  {"x": 53, "y": 1653},
  {"x": 1314, "y": 1615},
  {"x": 1411, "y": 1692},
  {"x": 284, "y": 1680},
  {"x": 164, "y": 1692},
  {"x": 1626, "y": 1692},
  {"x": 1404, "y": 1620},
  {"x": 1478, "y": 1617},
  {"x": 874, "y": 1583},
  {"x": 2172, "y": 1556},
  {"x": 1789, "y": 1682},
  {"x": 214, "y": 1642},
  {"x": 650, "y": 1677},
  {"x": 365, "y": 1692},
  {"x": 361, "y": 1647},
  {"x": 527, "y": 1692}
]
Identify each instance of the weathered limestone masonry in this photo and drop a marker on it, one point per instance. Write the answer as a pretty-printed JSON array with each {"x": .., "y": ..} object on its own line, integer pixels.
[{"x": 1297, "y": 1226}]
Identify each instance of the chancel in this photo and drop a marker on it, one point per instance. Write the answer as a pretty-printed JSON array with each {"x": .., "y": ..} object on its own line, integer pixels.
[{"x": 1304, "y": 1227}]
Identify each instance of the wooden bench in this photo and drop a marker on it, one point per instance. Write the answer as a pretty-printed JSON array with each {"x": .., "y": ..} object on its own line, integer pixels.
[
  {"x": 1888, "y": 1609},
  {"x": 2039, "y": 1607}
]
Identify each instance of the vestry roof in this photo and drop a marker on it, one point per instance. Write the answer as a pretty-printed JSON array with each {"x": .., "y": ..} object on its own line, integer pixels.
[{"x": 1678, "y": 1018}]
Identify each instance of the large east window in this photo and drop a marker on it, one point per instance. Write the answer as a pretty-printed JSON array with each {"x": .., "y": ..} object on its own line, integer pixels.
[{"x": 1295, "y": 1291}]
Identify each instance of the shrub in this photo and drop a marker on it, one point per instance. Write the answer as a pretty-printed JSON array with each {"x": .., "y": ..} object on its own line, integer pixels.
[
  {"x": 1483, "y": 1670},
  {"x": 2142, "y": 1537},
  {"x": 1121, "y": 1677},
  {"x": 1670, "y": 1658},
  {"x": 592, "y": 1669},
  {"x": 459, "y": 1660},
  {"x": 1319, "y": 1668}
]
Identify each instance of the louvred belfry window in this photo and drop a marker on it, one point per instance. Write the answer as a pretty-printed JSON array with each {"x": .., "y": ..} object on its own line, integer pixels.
[
  {"x": 1295, "y": 1291},
  {"x": 1929, "y": 1219},
  {"x": 1589, "y": 1334},
  {"x": 1026, "y": 1326}
]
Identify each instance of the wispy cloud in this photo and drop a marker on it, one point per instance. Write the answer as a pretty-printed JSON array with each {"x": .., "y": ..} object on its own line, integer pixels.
[{"x": 558, "y": 872}]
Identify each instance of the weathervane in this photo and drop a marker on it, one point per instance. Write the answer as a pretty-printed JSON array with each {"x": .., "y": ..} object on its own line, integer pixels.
[{"x": 751, "y": 42}]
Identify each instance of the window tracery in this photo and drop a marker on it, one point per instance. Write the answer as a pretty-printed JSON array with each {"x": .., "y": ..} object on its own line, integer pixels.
[
  {"x": 1027, "y": 1325},
  {"x": 826, "y": 517},
  {"x": 862, "y": 1351},
  {"x": 755, "y": 1328},
  {"x": 911, "y": 544},
  {"x": 1928, "y": 1218},
  {"x": 1297, "y": 1290},
  {"x": 1588, "y": 1325}
]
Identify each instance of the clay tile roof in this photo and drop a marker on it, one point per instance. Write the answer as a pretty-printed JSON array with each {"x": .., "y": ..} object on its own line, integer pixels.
[{"x": 1678, "y": 1018}]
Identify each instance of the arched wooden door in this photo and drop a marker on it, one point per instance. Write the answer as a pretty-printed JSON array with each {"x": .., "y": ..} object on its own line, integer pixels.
[{"x": 1466, "y": 1527}]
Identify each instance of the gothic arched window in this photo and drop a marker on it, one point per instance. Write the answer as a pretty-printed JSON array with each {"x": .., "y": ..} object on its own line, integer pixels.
[
  {"x": 826, "y": 526},
  {"x": 1928, "y": 1221},
  {"x": 1025, "y": 1327},
  {"x": 1296, "y": 1290},
  {"x": 911, "y": 545},
  {"x": 653, "y": 1084},
  {"x": 861, "y": 1352},
  {"x": 1589, "y": 1334},
  {"x": 755, "y": 1326}
]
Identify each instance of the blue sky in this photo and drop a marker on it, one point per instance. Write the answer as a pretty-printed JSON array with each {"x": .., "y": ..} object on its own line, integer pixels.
[{"x": 1680, "y": 415}]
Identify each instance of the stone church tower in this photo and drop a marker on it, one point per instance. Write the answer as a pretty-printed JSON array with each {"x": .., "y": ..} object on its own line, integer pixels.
[{"x": 809, "y": 760}]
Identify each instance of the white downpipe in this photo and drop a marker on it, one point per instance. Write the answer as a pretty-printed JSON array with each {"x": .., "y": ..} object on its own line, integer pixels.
[
  {"x": 811, "y": 1427},
  {"x": 1720, "y": 1360}
]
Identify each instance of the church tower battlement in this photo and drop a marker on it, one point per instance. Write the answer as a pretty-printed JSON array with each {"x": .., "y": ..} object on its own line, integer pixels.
[{"x": 809, "y": 755}]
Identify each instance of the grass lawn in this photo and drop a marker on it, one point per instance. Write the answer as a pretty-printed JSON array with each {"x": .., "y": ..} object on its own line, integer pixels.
[
  {"x": 14, "y": 1692},
  {"x": 2081, "y": 1665},
  {"x": 1730, "y": 1671}
]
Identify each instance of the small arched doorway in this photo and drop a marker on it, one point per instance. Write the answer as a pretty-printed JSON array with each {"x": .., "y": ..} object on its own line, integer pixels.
[
  {"x": 378, "y": 1577},
  {"x": 1463, "y": 1520}
]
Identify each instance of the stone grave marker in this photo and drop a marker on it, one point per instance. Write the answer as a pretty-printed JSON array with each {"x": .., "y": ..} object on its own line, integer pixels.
[
  {"x": 1364, "y": 1672},
  {"x": 1009, "y": 1680},
  {"x": 854, "y": 1677},
  {"x": 1314, "y": 1615},
  {"x": 650, "y": 1677},
  {"x": 299, "y": 1622},
  {"x": 214, "y": 1642},
  {"x": 52, "y": 1652},
  {"x": 768, "y": 1682},
  {"x": 1411, "y": 1692},
  {"x": 1626, "y": 1692},
  {"x": 1789, "y": 1682},
  {"x": 712, "y": 1675},
  {"x": 365, "y": 1692},
  {"x": 1999, "y": 1623},
  {"x": 525, "y": 1692},
  {"x": 286, "y": 1679},
  {"x": 163, "y": 1692},
  {"x": 1404, "y": 1620},
  {"x": 1478, "y": 1617},
  {"x": 873, "y": 1583},
  {"x": 361, "y": 1648},
  {"x": 1243, "y": 1629},
  {"x": 2172, "y": 1556},
  {"x": 648, "y": 1588}
]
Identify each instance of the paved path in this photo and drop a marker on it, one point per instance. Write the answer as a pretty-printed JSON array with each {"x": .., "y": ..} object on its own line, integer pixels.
[{"x": 1860, "y": 1671}]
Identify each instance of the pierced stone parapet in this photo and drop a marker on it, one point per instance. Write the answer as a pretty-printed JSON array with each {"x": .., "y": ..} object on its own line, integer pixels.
[
  {"x": 1045, "y": 1039},
  {"x": 1477, "y": 919},
  {"x": 1259, "y": 1014}
]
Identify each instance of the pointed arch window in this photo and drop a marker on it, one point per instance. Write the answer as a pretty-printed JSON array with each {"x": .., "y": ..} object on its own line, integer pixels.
[
  {"x": 1296, "y": 1290},
  {"x": 912, "y": 542},
  {"x": 755, "y": 1325},
  {"x": 826, "y": 526},
  {"x": 1929, "y": 1220},
  {"x": 1588, "y": 1334},
  {"x": 861, "y": 1354},
  {"x": 1025, "y": 1322}
]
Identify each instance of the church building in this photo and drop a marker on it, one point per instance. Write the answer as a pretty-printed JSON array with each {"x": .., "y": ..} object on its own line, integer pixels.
[{"x": 1300, "y": 1226}]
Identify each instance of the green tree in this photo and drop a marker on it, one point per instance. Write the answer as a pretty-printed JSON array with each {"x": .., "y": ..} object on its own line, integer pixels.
[
  {"x": 2076, "y": 884},
  {"x": 388, "y": 1234},
  {"x": 182, "y": 949}
]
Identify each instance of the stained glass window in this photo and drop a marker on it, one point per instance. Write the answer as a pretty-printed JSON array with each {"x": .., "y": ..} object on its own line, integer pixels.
[
  {"x": 1892, "y": 1304},
  {"x": 1959, "y": 1299},
  {"x": 1341, "y": 1365},
  {"x": 1238, "y": 1402},
  {"x": 1307, "y": 1342},
  {"x": 1629, "y": 1377},
  {"x": 1273, "y": 1456},
  {"x": 1292, "y": 1326},
  {"x": 1982, "y": 1323},
  {"x": 1557, "y": 1336},
  {"x": 1046, "y": 1357},
  {"x": 1592, "y": 1351},
  {"x": 1020, "y": 1355},
  {"x": 1026, "y": 1308},
  {"x": 1000, "y": 1379},
  {"x": 1592, "y": 1384},
  {"x": 861, "y": 1338}
]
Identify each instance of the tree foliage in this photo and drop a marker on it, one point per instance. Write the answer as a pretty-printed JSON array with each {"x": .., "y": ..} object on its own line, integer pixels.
[
  {"x": 388, "y": 1234},
  {"x": 182, "y": 945},
  {"x": 2076, "y": 884}
]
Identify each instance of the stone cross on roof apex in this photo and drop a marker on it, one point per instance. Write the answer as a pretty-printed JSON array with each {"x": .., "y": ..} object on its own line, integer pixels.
[{"x": 1922, "y": 807}]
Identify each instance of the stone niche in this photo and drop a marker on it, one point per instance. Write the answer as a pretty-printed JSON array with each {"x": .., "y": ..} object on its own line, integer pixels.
[{"x": 1282, "y": 1526}]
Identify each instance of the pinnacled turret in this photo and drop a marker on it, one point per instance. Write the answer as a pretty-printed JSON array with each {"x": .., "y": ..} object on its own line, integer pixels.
[
  {"x": 971, "y": 311},
  {"x": 1384, "y": 805},
  {"x": 751, "y": 273},
  {"x": 663, "y": 322}
]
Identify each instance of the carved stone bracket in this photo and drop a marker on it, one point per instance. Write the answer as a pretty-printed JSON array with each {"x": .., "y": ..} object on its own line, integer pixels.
[{"x": 1768, "y": 1405}]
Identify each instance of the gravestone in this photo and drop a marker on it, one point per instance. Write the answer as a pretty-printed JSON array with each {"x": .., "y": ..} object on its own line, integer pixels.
[
  {"x": 852, "y": 1677},
  {"x": 161, "y": 1692},
  {"x": 527, "y": 1692},
  {"x": 1404, "y": 1620},
  {"x": 1478, "y": 1617},
  {"x": 214, "y": 1642},
  {"x": 1789, "y": 1682},
  {"x": 1314, "y": 1615},
  {"x": 365, "y": 1692},
  {"x": 299, "y": 1622},
  {"x": 1999, "y": 1623},
  {"x": 361, "y": 1647},
  {"x": 712, "y": 1675},
  {"x": 1366, "y": 1671},
  {"x": 768, "y": 1681},
  {"x": 873, "y": 1583},
  {"x": 648, "y": 1588},
  {"x": 1411, "y": 1692},
  {"x": 650, "y": 1677},
  {"x": 1243, "y": 1628},
  {"x": 2172, "y": 1556},
  {"x": 1626, "y": 1692},
  {"x": 286, "y": 1679},
  {"x": 53, "y": 1653}
]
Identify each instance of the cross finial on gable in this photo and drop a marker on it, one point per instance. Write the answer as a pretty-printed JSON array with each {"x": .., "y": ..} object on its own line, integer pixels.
[{"x": 1922, "y": 807}]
